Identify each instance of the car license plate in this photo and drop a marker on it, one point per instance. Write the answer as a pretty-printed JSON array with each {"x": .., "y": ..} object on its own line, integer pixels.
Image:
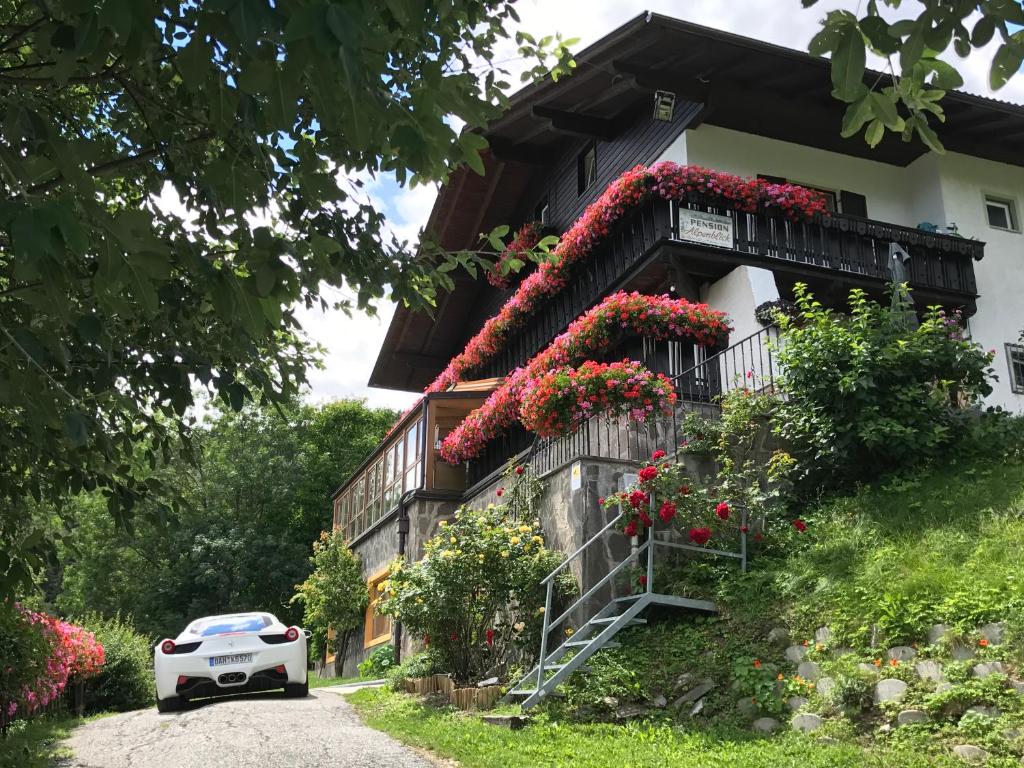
[{"x": 237, "y": 658}]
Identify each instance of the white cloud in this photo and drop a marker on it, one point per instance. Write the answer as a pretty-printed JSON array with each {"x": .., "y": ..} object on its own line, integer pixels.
[{"x": 352, "y": 343}]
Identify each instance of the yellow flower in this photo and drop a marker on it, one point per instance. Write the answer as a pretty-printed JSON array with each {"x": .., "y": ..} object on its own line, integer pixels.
[
  {"x": 524, "y": 529},
  {"x": 569, "y": 631},
  {"x": 504, "y": 553},
  {"x": 514, "y": 540},
  {"x": 444, "y": 523},
  {"x": 458, "y": 551},
  {"x": 481, "y": 558},
  {"x": 419, "y": 601},
  {"x": 540, "y": 610},
  {"x": 538, "y": 540},
  {"x": 453, "y": 540}
]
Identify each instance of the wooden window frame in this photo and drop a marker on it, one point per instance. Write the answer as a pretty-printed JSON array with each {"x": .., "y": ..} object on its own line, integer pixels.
[
  {"x": 1015, "y": 362},
  {"x": 371, "y": 585},
  {"x": 1009, "y": 204},
  {"x": 582, "y": 183}
]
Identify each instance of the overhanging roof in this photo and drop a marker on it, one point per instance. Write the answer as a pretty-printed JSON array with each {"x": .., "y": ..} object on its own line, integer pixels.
[{"x": 745, "y": 84}]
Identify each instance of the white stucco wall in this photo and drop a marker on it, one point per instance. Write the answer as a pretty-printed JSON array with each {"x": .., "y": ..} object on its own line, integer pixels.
[
  {"x": 1000, "y": 274},
  {"x": 937, "y": 189}
]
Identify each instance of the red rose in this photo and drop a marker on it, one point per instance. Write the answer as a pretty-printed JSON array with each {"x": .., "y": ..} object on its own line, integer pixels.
[
  {"x": 648, "y": 473},
  {"x": 658, "y": 454},
  {"x": 630, "y": 529},
  {"x": 667, "y": 511},
  {"x": 800, "y": 525},
  {"x": 722, "y": 510},
  {"x": 744, "y": 529},
  {"x": 685, "y": 490},
  {"x": 638, "y": 498},
  {"x": 501, "y": 491},
  {"x": 490, "y": 636},
  {"x": 520, "y": 470},
  {"x": 600, "y": 501},
  {"x": 645, "y": 519},
  {"x": 643, "y": 581},
  {"x": 454, "y": 637},
  {"x": 758, "y": 536},
  {"x": 700, "y": 536}
]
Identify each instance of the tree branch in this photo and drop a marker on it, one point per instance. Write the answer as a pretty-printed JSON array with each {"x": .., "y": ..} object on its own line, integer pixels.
[{"x": 111, "y": 166}]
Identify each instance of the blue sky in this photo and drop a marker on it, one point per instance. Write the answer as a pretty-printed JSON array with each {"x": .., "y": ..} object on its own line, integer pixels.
[{"x": 352, "y": 343}]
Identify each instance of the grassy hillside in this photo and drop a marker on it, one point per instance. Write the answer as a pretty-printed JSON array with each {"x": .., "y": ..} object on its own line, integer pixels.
[{"x": 879, "y": 568}]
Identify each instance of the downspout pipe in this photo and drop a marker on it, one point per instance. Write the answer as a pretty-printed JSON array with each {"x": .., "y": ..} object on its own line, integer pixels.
[{"x": 403, "y": 518}]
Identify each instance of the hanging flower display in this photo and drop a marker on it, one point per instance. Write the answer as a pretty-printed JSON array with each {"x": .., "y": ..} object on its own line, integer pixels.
[
  {"x": 555, "y": 402},
  {"x": 665, "y": 180},
  {"x": 594, "y": 332},
  {"x": 525, "y": 238}
]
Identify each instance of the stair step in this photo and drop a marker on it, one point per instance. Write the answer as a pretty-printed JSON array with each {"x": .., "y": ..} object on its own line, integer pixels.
[
  {"x": 613, "y": 619},
  {"x": 584, "y": 643}
]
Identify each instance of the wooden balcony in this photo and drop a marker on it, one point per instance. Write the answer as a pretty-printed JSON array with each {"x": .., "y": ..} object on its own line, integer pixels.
[{"x": 831, "y": 253}]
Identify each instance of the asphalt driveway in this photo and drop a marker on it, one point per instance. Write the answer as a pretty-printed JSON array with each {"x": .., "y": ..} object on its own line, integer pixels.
[{"x": 256, "y": 731}]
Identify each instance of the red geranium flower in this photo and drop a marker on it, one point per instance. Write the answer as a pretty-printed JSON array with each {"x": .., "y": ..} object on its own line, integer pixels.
[
  {"x": 700, "y": 536},
  {"x": 722, "y": 510},
  {"x": 800, "y": 525}
]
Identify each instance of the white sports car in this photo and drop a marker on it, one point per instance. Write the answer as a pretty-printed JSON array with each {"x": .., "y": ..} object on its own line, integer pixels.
[{"x": 234, "y": 653}]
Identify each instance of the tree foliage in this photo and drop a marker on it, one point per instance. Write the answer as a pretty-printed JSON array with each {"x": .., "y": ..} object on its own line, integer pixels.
[
  {"x": 334, "y": 596},
  {"x": 259, "y": 495},
  {"x": 907, "y": 98},
  {"x": 248, "y": 117}
]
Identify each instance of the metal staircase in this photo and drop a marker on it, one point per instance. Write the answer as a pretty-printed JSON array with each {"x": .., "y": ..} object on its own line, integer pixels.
[{"x": 621, "y": 612}]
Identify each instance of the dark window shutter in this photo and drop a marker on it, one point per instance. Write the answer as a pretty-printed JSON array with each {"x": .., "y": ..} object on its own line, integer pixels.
[
  {"x": 771, "y": 179},
  {"x": 853, "y": 204}
]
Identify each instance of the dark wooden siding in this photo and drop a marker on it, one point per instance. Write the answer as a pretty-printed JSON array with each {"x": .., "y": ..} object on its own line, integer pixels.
[{"x": 640, "y": 144}]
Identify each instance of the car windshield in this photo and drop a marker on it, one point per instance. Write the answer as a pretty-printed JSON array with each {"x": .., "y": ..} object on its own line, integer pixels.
[{"x": 221, "y": 624}]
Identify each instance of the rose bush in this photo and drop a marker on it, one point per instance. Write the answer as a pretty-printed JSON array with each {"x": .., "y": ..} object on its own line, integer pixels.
[
  {"x": 594, "y": 332},
  {"x": 556, "y": 402},
  {"x": 476, "y": 597},
  {"x": 665, "y": 180}
]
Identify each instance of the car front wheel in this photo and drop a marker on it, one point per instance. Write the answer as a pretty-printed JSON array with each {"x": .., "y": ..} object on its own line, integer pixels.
[{"x": 297, "y": 690}]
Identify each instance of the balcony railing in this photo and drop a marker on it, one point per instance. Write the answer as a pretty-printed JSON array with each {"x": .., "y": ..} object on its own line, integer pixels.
[
  {"x": 859, "y": 249},
  {"x": 848, "y": 244}
]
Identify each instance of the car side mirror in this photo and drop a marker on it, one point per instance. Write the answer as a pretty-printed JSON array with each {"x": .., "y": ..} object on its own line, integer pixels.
[{"x": 307, "y": 633}]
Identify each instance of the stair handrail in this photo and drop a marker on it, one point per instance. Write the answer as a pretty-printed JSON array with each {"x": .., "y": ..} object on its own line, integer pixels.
[{"x": 558, "y": 569}]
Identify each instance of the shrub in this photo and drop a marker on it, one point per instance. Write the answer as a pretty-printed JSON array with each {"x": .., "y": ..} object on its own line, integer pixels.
[
  {"x": 50, "y": 653},
  {"x": 476, "y": 597},
  {"x": 418, "y": 665},
  {"x": 377, "y": 664},
  {"x": 125, "y": 681},
  {"x": 869, "y": 393},
  {"x": 335, "y": 596}
]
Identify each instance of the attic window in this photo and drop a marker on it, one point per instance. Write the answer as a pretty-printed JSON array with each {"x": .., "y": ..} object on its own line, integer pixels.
[
  {"x": 1001, "y": 213},
  {"x": 586, "y": 168}
]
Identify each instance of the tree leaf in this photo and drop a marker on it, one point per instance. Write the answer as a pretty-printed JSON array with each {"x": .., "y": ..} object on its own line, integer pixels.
[
  {"x": 874, "y": 133},
  {"x": 848, "y": 64},
  {"x": 1005, "y": 64}
]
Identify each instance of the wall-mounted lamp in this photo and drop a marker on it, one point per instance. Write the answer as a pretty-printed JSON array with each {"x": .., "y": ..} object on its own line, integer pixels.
[{"x": 664, "y": 105}]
